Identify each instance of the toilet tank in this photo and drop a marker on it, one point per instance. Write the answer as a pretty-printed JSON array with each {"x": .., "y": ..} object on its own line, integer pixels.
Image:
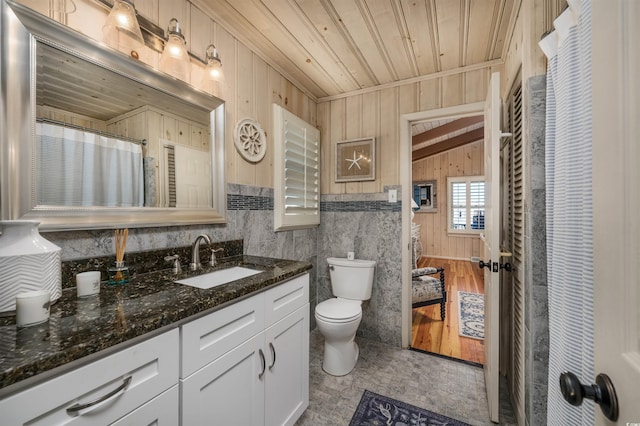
[{"x": 351, "y": 279}]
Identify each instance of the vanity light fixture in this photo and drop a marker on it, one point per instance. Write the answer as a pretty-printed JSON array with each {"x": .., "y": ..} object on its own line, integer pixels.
[
  {"x": 122, "y": 31},
  {"x": 175, "y": 58},
  {"x": 213, "y": 71}
]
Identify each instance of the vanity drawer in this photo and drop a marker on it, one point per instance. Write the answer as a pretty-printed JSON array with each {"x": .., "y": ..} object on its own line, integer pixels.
[
  {"x": 286, "y": 298},
  {"x": 210, "y": 337},
  {"x": 131, "y": 377}
]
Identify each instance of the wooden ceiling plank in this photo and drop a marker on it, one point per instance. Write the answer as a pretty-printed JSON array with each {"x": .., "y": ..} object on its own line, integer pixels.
[
  {"x": 385, "y": 24},
  {"x": 445, "y": 129},
  {"x": 359, "y": 29},
  {"x": 435, "y": 34},
  {"x": 269, "y": 23},
  {"x": 473, "y": 136},
  {"x": 295, "y": 25},
  {"x": 329, "y": 26},
  {"x": 417, "y": 18},
  {"x": 465, "y": 12},
  {"x": 448, "y": 19},
  {"x": 502, "y": 26},
  {"x": 401, "y": 21}
]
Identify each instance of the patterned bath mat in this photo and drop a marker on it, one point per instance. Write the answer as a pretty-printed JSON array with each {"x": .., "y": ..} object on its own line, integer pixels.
[
  {"x": 471, "y": 315},
  {"x": 376, "y": 409}
]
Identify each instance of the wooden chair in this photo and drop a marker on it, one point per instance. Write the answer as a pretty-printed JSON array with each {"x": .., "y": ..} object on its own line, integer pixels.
[{"x": 426, "y": 289}]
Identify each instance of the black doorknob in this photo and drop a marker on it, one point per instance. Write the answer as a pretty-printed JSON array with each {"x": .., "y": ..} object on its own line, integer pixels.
[
  {"x": 603, "y": 393},
  {"x": 482, "y": 264}
]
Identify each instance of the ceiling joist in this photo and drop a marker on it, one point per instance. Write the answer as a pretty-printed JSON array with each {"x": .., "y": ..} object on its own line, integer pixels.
[
  {"x": 445, "y": 129},
  {"x": 455, "y": 142}
]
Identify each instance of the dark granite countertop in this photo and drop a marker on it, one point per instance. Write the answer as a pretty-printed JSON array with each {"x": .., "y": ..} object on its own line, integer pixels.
[{"x": 149, "y": 304}]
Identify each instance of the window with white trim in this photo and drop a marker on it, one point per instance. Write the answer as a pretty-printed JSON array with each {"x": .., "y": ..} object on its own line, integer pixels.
[
  {"x": 296, "y": 172},
  {"x": 466, "y": 204}
]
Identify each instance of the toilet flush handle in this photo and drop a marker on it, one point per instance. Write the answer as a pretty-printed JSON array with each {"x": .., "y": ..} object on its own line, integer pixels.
[{"x": 331, "y": 267}]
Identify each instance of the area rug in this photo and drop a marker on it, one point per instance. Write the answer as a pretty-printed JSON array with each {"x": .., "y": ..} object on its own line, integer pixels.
[
  {"x": 471, "y": 315},
  {"x": 376, "y": 410}
]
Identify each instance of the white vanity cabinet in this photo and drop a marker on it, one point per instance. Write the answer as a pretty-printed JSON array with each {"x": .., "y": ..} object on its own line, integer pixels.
[
  {"x": 104, "y": 391},
  {"x": 248, "y": 364}
]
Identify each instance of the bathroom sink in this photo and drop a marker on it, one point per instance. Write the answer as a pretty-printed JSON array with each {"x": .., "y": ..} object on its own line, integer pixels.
[{"x": 216, "y": 278}]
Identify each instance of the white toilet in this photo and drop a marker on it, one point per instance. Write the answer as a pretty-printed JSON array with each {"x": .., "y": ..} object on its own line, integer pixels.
[{"x": 338, "y": 318}]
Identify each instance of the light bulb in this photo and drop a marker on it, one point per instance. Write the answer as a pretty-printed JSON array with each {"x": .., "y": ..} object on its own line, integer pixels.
[
  {"x": 122, "y": 31},
  {"x": 213, "y": 72},
  {"x": 175, "y": 58}
]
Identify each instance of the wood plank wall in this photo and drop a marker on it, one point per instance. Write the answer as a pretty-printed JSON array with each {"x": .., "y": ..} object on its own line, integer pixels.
[
  {"x": 251, "y": 85},
  {"x": 377, "y": 114},
  {"x": 467, "y": 160}
]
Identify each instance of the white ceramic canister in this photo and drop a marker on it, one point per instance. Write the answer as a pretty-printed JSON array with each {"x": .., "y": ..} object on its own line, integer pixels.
[
  {"x": 32, "y": 307},
  {"x": 28, "y": 262}
]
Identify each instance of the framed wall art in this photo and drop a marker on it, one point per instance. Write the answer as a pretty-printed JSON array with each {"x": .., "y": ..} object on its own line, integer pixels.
[
  {"x": 425, "y": 196},
  {"x": 356, "y": 160}
]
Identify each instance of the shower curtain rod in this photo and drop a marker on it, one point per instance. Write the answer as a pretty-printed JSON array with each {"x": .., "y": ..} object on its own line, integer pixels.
[{"x": 142, "y": 142}]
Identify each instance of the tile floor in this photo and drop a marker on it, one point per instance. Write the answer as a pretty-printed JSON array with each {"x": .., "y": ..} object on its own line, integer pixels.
[{"x": 447, "y": 387}]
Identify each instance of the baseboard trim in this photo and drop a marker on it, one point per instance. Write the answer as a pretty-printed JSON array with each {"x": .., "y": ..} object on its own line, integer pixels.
[{"x": 466, "y": 259}]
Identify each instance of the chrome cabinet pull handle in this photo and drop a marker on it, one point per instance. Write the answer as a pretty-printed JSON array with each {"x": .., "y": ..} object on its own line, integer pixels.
[
  {"x": 273, "y": 353},
  {"x": 78, "y": 407},
  {"x": 264, "y": 364}
]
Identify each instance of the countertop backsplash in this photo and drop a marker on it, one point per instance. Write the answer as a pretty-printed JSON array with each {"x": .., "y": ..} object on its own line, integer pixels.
[{"x": 146, "y": 261}]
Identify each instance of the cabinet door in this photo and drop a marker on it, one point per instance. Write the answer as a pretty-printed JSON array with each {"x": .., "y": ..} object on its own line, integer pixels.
[
  {"x": 228, "y": 391},
  {"x": 160, "y": 411},
  {"x": 287, "y": 384}
]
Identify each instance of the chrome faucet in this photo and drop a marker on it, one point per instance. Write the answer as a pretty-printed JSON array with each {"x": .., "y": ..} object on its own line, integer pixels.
[{"x": 195, "y": 251}]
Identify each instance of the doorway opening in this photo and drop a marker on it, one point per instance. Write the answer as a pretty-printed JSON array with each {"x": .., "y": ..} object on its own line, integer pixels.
[
  {"x": 443, "y": 144},
  {"x": 447, "y": 198}
]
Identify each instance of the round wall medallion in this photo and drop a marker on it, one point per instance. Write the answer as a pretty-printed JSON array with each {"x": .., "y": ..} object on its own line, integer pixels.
[{"x": 250, "y": 140}]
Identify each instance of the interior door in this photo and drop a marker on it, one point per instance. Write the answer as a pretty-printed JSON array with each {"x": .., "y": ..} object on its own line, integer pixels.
[
  {"x": 616, "y": 201},
  {"x": 193, "y": 177},
  {"x": 491, "y": 238}
]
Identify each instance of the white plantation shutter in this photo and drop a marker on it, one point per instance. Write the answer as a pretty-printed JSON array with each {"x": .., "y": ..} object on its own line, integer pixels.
[
  {"x": 466, "y": 199},
  {"x": 297, "y": 172},
  {"x": 459, "y": 205}
]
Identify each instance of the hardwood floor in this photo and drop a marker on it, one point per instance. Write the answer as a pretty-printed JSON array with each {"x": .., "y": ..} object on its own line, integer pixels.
[{"x": 429, "y": 332}]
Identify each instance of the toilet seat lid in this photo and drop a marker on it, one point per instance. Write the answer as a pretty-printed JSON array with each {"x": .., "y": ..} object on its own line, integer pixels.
[{"x": 339, "y": 309}]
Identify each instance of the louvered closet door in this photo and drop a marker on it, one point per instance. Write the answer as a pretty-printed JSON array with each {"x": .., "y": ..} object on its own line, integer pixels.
[{"x": 513, "y": 241}]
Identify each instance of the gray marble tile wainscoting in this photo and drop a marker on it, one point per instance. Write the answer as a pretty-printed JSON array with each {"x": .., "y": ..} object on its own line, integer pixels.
[
  {"x": 371, "y": 227},
  {"x": 250, "y": 218},
  {"x": 366, "y": 224}
]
